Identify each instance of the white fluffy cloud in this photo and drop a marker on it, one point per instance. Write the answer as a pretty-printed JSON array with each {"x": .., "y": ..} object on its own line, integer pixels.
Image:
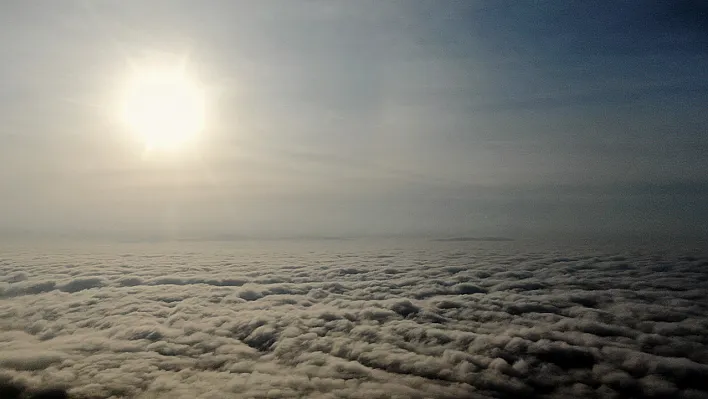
[{"x": 450, "y": 320}]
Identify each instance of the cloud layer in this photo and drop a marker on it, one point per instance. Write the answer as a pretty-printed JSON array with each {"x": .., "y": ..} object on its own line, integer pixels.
[{"x": 445, "y": 320}]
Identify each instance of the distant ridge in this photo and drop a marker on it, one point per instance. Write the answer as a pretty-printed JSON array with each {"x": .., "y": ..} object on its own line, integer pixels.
[{"x": 464, "y": 239}]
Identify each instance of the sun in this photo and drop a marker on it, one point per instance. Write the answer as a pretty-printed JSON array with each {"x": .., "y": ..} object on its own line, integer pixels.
[{"x": 164, "y": 106}]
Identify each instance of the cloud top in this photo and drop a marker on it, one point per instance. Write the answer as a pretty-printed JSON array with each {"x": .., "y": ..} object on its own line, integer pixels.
[{"x": 456, "y": 319}]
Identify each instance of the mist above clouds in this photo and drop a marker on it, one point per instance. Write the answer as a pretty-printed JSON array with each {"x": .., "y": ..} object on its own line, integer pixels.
[{"x": 456, "y": 319}]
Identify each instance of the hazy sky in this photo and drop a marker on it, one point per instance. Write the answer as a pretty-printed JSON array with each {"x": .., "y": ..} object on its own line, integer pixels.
[{"x": 362, "y": 117}]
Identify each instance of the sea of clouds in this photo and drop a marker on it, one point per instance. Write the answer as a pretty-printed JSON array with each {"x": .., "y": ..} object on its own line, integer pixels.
[{"x": 344, "y": 320}]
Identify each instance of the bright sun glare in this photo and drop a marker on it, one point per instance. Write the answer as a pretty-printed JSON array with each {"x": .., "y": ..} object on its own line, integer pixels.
[{"x": 164, "y": 107}]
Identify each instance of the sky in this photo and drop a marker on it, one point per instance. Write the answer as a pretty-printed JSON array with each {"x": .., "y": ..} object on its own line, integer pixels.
[{"x": 350, "y": 118}]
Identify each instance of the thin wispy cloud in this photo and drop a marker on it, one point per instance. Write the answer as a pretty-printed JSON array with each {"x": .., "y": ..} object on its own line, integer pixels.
[{"x": 356, "y": 106}]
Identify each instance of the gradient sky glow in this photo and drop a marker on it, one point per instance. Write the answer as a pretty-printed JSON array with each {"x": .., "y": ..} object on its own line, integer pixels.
[{"x": 362, "y": 117}]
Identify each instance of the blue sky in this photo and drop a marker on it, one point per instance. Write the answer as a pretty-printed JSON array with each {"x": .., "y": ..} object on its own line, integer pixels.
[{"x": 363, "y": 117}]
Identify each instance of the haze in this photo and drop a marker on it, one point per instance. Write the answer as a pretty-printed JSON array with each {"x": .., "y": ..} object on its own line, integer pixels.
[{"x": 361, "y": 118}]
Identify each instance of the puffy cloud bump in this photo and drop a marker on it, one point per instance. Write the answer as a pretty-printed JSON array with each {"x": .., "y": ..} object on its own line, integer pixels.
[{"x": 440, "y": 320}]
